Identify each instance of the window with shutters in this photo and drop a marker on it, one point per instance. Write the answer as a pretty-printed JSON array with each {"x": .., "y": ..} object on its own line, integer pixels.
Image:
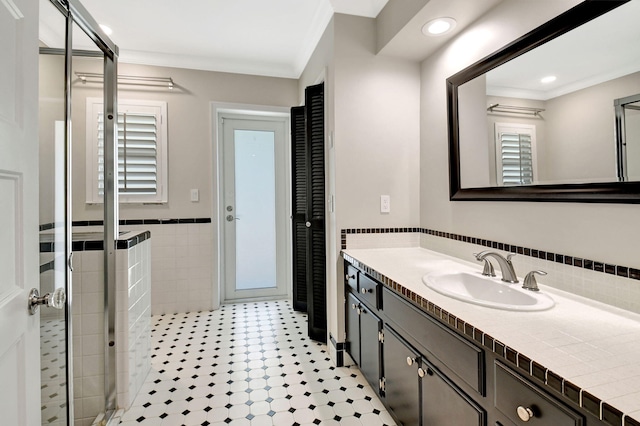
[
  {"x": 515, "y": 154},
  {"x": 142, "y": 151}
]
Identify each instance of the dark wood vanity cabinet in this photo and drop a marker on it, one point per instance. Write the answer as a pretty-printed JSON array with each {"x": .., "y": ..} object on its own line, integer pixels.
[
  {"x": 417, "y": 393},
  {"x": 401, "y": 378},
  {"x": 522, "y": 403},
  {"x": 428, "y": 374},
  {"x": 363, "y": 327}
]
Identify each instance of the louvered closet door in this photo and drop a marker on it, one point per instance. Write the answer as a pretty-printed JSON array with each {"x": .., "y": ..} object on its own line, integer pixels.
[
  {"x": 316, "y": 261},
  {"x": 299, "y": 207}
]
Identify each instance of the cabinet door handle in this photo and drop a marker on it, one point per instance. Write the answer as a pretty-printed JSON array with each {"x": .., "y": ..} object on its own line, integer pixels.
[
  {"x": 525, "y": 413},
  {"x": 410, "y": 360}
]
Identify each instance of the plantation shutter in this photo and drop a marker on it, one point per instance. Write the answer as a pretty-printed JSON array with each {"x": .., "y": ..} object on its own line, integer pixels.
[
  {"x": 515, "y": 145},
  {"x": 316, "y": 252},
  {"x": 299, "y": 207},
  {"x": 517, "y": 159},
  {"x": 137, "y": 153}
]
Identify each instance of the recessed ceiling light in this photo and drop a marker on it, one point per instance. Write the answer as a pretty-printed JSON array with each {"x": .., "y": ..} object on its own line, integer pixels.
[
  {"x": 108, "y": 31},
  {"x": 438, "y": 26},
  {"x": 548, "y": 79}
]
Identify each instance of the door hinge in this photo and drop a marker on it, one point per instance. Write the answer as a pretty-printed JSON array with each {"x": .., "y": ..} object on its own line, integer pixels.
[
  {"x": 381, "y": 336},
  {"x": 382, "y": 384}
]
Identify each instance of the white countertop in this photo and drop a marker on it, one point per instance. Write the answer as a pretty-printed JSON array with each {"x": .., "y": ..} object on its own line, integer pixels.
[{"x": 593, "y": 345}]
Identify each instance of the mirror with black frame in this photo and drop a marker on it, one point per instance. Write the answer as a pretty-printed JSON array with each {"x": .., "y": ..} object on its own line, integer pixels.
[{"x": 552, "y": 116}]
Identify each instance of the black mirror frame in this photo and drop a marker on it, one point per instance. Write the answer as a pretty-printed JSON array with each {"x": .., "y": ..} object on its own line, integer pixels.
[{"x": 614, "y": 192}]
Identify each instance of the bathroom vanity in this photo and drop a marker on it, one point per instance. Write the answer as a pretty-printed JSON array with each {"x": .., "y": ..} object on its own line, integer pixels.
[{"x": 435, "y": 360}]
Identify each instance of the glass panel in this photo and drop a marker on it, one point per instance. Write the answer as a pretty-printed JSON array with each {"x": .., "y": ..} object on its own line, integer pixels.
[
  {"x": 88, "y": 307},
  {"x": 255, "y": 209},
  {"x": 53, "y": 342}
]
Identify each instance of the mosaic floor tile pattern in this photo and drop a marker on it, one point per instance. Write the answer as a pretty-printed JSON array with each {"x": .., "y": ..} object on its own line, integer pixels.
[
  {"x": 248, "y": 364},
  {"x": 53, "y": 379}
]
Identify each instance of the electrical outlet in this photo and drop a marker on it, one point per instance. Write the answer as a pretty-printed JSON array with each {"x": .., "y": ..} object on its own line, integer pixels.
[
  {"x": 385, "y": 204},
  {"x": 195, "y": 195}
]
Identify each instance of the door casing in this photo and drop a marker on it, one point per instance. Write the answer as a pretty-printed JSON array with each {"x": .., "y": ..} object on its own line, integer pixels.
[{"x": 251, "y": 112}]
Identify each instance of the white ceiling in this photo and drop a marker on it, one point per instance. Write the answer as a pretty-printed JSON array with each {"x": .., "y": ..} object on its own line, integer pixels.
[
  {"x": 265, "y": 37},
  {"x": 601, "y": 50}
]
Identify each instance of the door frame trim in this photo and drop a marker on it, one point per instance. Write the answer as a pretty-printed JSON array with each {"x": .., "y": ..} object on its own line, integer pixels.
[{"x": 221, "y": 110}]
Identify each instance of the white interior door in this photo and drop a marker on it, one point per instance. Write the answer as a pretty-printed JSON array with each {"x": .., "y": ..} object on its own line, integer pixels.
[
  {"x": 19, "y": 271},
  {"x": 254, "y": 208}
]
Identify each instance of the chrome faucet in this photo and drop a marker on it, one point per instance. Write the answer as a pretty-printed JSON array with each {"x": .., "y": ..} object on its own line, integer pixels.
[
  {"x": 506, "y": 267},
  {"x": 530, "y": 282}
]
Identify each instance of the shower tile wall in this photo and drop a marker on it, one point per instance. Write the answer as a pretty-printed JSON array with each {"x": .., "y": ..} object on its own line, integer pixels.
[
  {"x": 182, "y": 266},
  {"x": 132, "y": 326},
  {"x": 133, "y": 320},
  {"x": 88, "y": 332}
]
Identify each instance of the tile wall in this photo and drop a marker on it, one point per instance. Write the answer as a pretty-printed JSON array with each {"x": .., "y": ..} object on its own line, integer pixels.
[
  {"x": 88, "y": 336},
  {"x": 133, "y": 320},
  {"x": 133, "y": 325},
  {"x": 182, "y": 266}
]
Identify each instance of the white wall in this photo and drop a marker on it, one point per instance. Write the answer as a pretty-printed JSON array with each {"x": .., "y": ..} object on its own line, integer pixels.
[
  {"x": 372, "y": 110},
  {"x": 51, "y": 109},
  {"x": 189, "y": 126},
  {"x": 580, "y": 131},
  {"x": 607, "y": 232}
]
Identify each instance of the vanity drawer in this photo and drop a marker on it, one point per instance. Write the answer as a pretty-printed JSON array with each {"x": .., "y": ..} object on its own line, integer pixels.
[
  {"x": 351, "y": 277},
  {"x": 368, "y": 291},
  {"x": 513, "y": 395},
  {"x": 463, "y": 358}
]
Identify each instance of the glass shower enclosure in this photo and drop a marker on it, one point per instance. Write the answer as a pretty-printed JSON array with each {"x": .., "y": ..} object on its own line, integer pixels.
[{"x": 67, "y": 32}]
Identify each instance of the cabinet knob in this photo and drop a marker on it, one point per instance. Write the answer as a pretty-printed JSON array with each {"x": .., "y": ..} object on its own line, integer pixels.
[
  {"x": 410, "y": 360},
  {"x": 353, "y": 306},
  {"x": 365, "y": 290},
  {"x": 525, "y": 413},
  {"x": 350, "y": 277},
  {"x": 421, "y": 372}
]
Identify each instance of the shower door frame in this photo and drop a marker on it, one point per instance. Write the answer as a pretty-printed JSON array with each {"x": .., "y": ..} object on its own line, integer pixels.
[
  {"x": 621, "y": 137},
  {"x": 75, "y": 13}
]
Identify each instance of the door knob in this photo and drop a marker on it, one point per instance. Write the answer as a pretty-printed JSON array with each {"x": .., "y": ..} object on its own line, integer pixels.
[
  {"x": 308, "y": 224},
  {"x": 54, "y": 300}
]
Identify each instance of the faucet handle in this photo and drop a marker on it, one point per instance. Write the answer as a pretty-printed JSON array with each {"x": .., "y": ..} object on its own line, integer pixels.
[
  {"x": 488, "y": 270},
  {"x": 530, "y": 282}
]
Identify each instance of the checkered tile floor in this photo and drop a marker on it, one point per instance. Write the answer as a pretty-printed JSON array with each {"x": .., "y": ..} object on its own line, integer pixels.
[
  {"x": 248, "y": 364},
  {"x": 52, "y": 372}
]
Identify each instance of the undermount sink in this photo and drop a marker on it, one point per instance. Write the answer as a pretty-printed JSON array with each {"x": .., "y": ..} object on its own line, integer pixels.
[{"x": 473, "y": 287}]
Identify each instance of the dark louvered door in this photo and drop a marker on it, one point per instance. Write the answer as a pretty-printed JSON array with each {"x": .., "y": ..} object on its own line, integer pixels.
[
  {"x": 316, "y": 251},
  {"x": 299, "y": 207}
]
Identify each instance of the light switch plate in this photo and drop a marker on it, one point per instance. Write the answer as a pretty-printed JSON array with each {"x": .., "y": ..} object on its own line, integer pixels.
[
  {"x": 195, "y": 195},
  {"x": 385, "y": 204}
]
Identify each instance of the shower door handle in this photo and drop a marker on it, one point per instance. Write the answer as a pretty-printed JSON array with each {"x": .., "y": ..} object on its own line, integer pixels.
[{"x": 55, "y": 300}]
